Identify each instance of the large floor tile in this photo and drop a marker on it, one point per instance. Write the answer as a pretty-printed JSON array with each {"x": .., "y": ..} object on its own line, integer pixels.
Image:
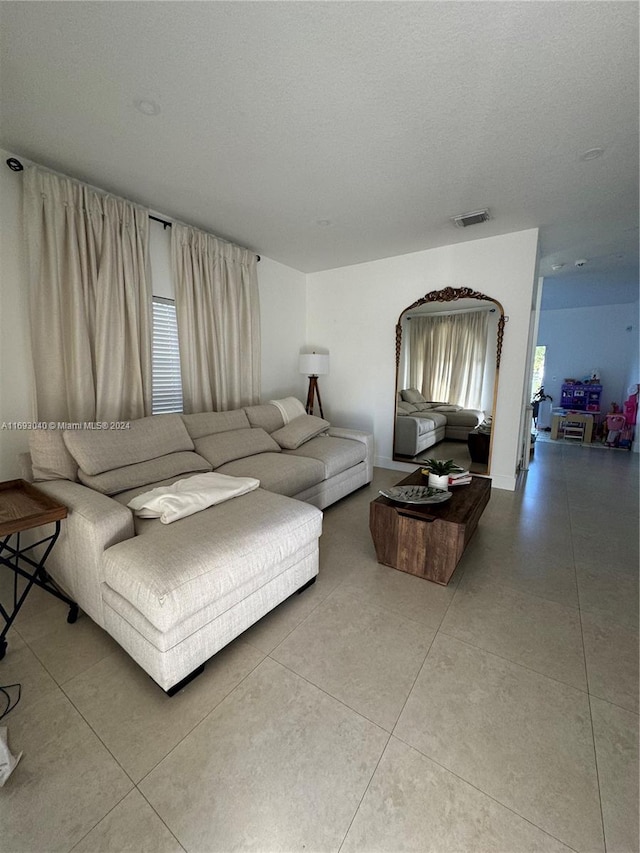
[
  {"x": 136, "y": 720},
  {"x": 132, "y": 827},
  {"x": 525, "y": 629},
  {"x": 21, "y": 666},
  {"x": 68, "y": 650},
  {"x": 278, "y": 766},
  {"x": 610, "y": 593},
  {"x": 520, "y": 737},
  {"x": 413, "y": 804},
  {"x": 64, "y": 784},
  {"x": 405, "y": 594},
  {"x": 552, "y": 577},
  {"x": 603, "y": 549},
  {"x": 365, "y": 656},
  {"x": 616, "y": 736},
  {"x": 611, "y": 652}
]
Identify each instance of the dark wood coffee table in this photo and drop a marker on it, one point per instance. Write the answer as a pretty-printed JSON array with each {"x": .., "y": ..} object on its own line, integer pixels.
[{"x": 427, "y": 540}]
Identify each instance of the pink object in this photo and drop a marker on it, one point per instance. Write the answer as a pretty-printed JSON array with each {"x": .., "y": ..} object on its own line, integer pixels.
[
  {"x": 630, "y": 407},
  {"x": 615, "y": 422}
]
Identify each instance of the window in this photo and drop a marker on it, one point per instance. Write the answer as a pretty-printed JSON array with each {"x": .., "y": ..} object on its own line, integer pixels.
[
  {"x": 167, "y": 382},
  {"x": 537, "y": 379}
]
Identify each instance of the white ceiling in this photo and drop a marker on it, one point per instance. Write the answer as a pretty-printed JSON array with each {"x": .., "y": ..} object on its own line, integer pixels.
[{"x": 384, "y": 118}]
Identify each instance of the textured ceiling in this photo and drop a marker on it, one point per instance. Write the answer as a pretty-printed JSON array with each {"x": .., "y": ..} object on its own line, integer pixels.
[{"x": 384, "y": 118}]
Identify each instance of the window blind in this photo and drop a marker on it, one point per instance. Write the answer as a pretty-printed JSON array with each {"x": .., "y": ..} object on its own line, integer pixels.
[{"x": 166, "y": 380}]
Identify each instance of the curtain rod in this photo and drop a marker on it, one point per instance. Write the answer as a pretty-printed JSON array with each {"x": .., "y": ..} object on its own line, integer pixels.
[
  {"x": 16, "y": 166},
  {"x": 453, "y": 311}
]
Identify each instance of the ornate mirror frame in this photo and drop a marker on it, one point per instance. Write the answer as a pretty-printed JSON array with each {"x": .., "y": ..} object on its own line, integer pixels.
[{"x": 450, "y": 294}]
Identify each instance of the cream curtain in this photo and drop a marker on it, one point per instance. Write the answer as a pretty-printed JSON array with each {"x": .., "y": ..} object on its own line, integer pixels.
[
  {"x": 90, "y": 301},
  {"x": 218, "y": 314},
  {"x": 447, "y": 357}
]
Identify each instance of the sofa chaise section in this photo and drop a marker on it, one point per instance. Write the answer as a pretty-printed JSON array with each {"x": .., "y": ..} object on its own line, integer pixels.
[
  {"x": 173, "y": 595},
  {"x": 421, "y": 423}
]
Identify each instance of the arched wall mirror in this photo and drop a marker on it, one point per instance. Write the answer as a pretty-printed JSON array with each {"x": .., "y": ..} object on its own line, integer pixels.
[{"x": 448, "y": 348}]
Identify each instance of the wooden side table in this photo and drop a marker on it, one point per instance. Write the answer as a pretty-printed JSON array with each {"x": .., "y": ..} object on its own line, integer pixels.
[{"x": 22, "y": 507}]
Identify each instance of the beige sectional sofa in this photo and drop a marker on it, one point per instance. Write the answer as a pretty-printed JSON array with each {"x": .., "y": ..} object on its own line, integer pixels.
[
  {"x": 174, "y": 594},
  {"x": 421, "y": 423}
]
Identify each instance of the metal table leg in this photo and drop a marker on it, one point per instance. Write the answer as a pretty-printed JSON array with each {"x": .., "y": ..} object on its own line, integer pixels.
[{"x": 35, "y": 575}]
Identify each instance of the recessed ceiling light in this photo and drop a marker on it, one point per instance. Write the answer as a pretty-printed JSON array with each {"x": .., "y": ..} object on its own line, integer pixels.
[
  {"x": 323, "y": 223},
  {"x": 592, "y": 154},
  {"x": 556, "y": 267},
  {"x": 146, "y": 107}
]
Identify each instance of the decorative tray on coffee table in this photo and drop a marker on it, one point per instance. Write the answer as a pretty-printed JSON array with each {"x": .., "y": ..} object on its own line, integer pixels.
[{"x": 416, "y": 494}]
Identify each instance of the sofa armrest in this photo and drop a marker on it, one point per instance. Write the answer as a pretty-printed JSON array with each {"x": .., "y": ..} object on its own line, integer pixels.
[
  {"x": 93, "y": 524},
  {"x": 407, "y": 432},
  {"x": 357, "y": 435}
]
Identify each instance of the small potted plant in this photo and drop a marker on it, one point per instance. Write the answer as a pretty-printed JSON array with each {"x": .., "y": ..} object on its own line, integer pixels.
[{"x": 439, "y": 471}]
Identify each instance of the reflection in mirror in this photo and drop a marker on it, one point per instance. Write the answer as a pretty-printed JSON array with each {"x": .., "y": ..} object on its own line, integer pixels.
[{"x": 448, "y": 347}]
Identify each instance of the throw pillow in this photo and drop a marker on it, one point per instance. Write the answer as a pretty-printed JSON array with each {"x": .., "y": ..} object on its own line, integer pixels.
[
  {"x": 50, "y": 459},
  {"x": 412, "y": 395},
  {"x": 301, "y": 429},
  {"x": 236, "y": 444}
]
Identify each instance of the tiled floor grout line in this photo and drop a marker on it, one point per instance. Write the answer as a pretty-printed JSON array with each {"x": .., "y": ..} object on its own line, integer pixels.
[
  {"x": 514, "y": 663},
  {"x": 584, "y": 659},
  {"x": 115, "y": 806},
  {"x": 482, "y": 791},
  {"x": 355, "y": 814},
  {"x": 364, "y": 793}
]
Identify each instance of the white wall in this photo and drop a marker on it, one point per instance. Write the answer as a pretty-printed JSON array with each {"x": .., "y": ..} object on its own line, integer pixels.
[
  {"x": 578, "y": 340},
  {"x": 16, "y": 372},
  {"x": 352, "y": 312},
  {"x": 283, "y": 309}
]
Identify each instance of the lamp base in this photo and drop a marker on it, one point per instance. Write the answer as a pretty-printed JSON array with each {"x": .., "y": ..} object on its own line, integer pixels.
[{"x": 314, "y": 391}]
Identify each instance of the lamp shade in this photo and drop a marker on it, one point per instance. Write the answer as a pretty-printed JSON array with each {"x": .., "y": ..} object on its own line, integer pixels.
[{"x": 314, "y": 363}]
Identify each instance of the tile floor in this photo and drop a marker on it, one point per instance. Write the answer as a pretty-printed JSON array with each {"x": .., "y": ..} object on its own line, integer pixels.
[{"x": 374, "y": 712}]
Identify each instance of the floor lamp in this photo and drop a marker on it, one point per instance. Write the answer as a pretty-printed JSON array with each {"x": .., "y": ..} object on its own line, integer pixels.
[{"x": 314, "y": 364}]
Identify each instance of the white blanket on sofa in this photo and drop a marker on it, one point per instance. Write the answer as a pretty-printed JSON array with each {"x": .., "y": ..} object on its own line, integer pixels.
[
  {"x": 290, "y": 408},
  {"x": 169, "y": 503}
]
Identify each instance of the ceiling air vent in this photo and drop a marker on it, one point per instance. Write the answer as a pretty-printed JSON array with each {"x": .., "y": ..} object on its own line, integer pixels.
[{"x": 473, "y": 218}]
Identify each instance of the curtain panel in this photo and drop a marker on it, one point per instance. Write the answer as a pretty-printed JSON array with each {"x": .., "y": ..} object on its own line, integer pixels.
[
  {"x": 90, "y": 301},
  {"x": 218, "y": 315},
  {"x": 447, "y": 357}
]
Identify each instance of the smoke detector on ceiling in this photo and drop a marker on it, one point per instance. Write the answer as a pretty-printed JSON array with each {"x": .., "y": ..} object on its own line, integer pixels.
[{"x": 463, "y": 220}]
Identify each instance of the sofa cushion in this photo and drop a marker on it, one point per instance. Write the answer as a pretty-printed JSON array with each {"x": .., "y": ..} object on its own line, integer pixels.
[
  {"x": 170, "y": 572},
  {"x": 96, "y": 451},
  {"x": 209, "y": 423},
  {"x": 465, "y": 417},
  {"x": 405, "y": 408},
  {"x": 336, "y": 454},
  {"x": 278, "y": 472},
  {"x": 301, "y": 429},
  {"x": 237, "y": 444},
  {"x": 50, "y": 459},
  {"x": 436, "y": 419},
  {"x": 412, "y": 395},
  {"x": 145, "y": 473},
  {"x": 448, "y": 407},
  {"x": 267, "y": 416},
  {"x": 425, "y": 407}
]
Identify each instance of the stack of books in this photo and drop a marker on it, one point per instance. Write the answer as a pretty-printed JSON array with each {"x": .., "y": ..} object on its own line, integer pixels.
[{"x": 459, "y": 478}]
